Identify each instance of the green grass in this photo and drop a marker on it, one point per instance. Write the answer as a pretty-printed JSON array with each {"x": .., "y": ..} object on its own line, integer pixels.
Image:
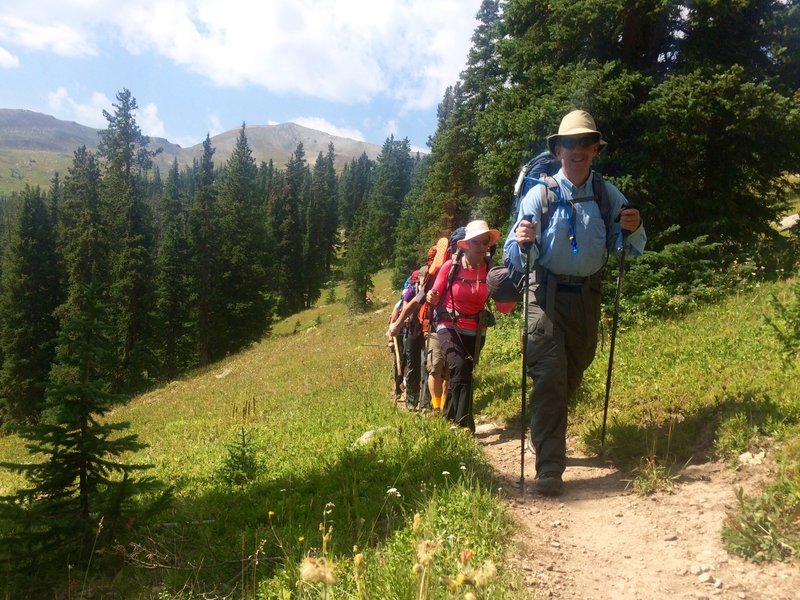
[
  {"x": 302, "y": 402},
  {"x": 33, "y": 167},
  {"x": 262, "y": 452},
  {"x": 715, "y": 376},
  {"x": 766, "y": 525}
]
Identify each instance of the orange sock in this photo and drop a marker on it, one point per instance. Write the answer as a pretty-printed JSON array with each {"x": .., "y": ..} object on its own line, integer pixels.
[{"x": 437, "y": 402}]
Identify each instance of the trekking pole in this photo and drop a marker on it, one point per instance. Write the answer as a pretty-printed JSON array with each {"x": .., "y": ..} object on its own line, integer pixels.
[
  {"x": 614, "y": 321},
  {"x": 524, "y": 385},
  {"x": 398, "y": 364}
]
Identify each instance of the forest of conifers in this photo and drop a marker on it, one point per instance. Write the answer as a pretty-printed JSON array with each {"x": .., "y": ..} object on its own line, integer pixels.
[{"x": 159, "y": 273}]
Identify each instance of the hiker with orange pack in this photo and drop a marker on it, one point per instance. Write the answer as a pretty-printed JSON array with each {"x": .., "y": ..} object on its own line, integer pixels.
[
  {"x": 431, "y": 392},
  {"x": 459, "y": 294}
]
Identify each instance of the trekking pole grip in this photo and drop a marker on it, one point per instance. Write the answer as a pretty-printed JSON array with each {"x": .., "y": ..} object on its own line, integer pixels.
[
  {"x": 626, "y": 205},
  {"x": 526, "y": 247}
]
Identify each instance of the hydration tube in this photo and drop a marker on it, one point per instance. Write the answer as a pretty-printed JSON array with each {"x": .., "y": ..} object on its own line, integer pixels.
[{"x": 570, "y": 209}]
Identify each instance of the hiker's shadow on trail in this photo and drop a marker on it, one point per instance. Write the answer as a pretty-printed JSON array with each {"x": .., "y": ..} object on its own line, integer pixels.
[{"x": 586, "y": 477}]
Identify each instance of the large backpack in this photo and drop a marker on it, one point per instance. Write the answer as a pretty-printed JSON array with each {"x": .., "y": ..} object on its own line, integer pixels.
[
  {"x": 540, "y": 170},
  {"x": 540, "y": 166}
]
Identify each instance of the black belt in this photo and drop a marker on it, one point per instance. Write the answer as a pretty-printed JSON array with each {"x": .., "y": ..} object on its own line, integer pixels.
[
  {"x": 569, "y": 279},
  {"x": 569, "y": 287}
]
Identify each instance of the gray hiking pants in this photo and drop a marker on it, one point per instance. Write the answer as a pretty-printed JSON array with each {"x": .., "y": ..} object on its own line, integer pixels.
[{"x": 562, "y": 339}]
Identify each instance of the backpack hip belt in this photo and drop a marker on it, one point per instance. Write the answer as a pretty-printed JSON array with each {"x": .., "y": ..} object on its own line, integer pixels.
[
  {"x": 444, "y": 314},
  {"x": 562, "y": 283}
]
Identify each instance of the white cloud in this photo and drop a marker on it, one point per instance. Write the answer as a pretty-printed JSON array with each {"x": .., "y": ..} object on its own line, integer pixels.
[
  {"x": 321, "y": 124},
  {"x": 7, "y": 60},
  {"x": 347, "y": 51},
  {"x": 186, "y": 141},
  {"x": 65, "y": 107},
  {"x": 90, "y": 114},
  {"x": 391, "y": 127},
  {"x": 215, "y": 126},
  {"x": 39, "y": 34},
  {"x": 148, "y": 121}
]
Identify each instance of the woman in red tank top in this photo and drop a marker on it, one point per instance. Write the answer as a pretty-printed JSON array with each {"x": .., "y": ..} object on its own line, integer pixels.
[{"x": 460, "y": 294}]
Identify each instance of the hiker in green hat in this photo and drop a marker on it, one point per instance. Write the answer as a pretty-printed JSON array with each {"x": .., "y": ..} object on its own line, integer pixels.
[{"x": 566, "y": 229}]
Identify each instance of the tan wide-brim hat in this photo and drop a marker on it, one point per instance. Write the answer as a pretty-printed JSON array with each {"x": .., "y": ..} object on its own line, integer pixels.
[
  {"x": 578, "y": 122},
  {"x": 476, "y": 228}
]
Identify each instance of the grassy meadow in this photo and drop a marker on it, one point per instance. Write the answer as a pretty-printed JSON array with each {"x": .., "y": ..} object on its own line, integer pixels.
[
  {"x": 33, "y": 167},
  {"x": 263, "y": 453},
  {"x": 269, "y": 463},
  {"x": 708, "y": 385}
]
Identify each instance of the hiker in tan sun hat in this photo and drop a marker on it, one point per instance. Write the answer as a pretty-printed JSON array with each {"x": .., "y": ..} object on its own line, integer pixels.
[
  {"x": 576, "y": 123},
  {"x": 459, "y": 294},
  {"x": 562, "y": 237}
]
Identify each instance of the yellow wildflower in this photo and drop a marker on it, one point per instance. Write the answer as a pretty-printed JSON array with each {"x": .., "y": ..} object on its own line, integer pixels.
[{"x": 417, "y": 522}]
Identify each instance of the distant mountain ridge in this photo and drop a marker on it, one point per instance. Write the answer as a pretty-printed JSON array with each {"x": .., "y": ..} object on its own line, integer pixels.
[
  {"x": 29, "y": 130},
  {"x": 34, "y": 145}
]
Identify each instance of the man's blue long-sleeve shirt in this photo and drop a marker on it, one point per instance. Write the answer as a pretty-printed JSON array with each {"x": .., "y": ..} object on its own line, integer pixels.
[{"x": 552, "y": 249}]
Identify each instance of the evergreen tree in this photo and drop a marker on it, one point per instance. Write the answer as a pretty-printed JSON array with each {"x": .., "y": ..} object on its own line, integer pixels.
[
  {"x": 698, "y": 101},
  {"x": 173, "y": 282},
  {"x": 354, "y": 186},
  {"x": 315, "y": 237},
  {"x": 31, "y": 291},
  {"x": 54, "y": 199},
  {"x": 449, "y": 197},
  {"x": 124, "y": 147},
  {"x": 412, "y": 244},
  {"x": 331, "y": 207},
  {"x": 391, "y": 184},
  {"x": 84, "y": 235},
  {"x": 80, "y": 490},
  {"x": 243, "y": 275},
  {"x": 266, "y": 182},
  {"x": 204, "y": 241},
  {"x": 371, "y": 240},
  {"x": 359, "y": 263},
  {"x": 287, "y": 208}
]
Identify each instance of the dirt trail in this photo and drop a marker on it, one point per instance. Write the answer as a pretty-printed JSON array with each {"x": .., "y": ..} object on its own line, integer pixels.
[{"x": 601, "y": 540}]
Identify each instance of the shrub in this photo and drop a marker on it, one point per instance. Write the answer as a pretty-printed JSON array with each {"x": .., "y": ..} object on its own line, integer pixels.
[{"x": 786, "y": 322}]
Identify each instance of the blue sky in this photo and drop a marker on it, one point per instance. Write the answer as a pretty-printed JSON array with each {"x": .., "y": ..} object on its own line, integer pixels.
[{"x": 362, "y": 69}]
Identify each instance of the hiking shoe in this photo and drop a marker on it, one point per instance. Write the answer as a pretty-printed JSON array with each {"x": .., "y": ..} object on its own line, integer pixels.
[{"x": 548, "y": 484}]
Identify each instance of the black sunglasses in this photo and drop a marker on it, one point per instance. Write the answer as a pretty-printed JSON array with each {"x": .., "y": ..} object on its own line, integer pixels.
[{"x": 568, "y": 143}]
